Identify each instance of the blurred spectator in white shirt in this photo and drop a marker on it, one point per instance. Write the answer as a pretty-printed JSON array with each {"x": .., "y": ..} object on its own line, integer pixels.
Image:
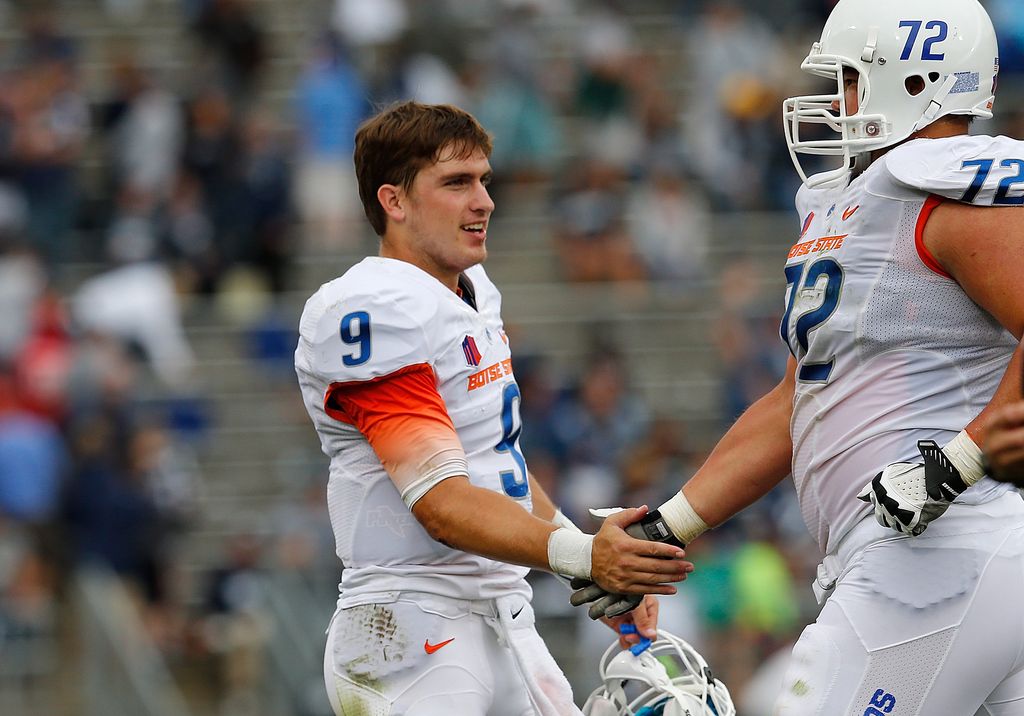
[
  {"x": 145, "y": 129},
  {"x": 138, "y": 304},
  {"x": 22, "y": 281},
  {"x": 372, "y": 29},
  {"x": 669, "y": 220}
]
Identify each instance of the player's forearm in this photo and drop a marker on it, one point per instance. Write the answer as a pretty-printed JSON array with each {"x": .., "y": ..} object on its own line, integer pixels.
[
  {"x": 1008, "y": 392},
  {"x": 1004, "y": 444},
  {"x": 473, "y": 519},
  {"x": 543, "y": 506},
  {"x": 750, "y": 459}
]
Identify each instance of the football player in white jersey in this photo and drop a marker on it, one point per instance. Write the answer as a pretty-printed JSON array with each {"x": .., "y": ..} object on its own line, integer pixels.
[
  {"x": 904, "y": 317},
  {"x": 406, "y": 373}
]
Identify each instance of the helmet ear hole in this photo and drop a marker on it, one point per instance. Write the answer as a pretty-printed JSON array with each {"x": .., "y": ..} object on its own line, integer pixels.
[
  {"x": 915, "y": 85},
  {"x": 934, "y": 77}
]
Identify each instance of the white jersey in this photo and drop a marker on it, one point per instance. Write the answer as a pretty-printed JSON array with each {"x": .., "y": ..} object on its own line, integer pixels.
[
  {"x": 380, "y": 317},
  {"x": 890, "y": 350}
]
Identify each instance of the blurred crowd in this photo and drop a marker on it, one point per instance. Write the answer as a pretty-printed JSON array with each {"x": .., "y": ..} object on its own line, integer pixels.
[{"x": 131, "y": 181}]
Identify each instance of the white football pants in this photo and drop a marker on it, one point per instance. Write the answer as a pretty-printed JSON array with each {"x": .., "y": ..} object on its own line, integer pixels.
[
  {"x": 423, "y": 655},
  {"x": 919, "y": 626}
]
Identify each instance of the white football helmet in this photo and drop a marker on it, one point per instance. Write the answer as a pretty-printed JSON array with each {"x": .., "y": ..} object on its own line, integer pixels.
[
  {"x": 668, "y": 679},
  {"x": 896, "y": 46}
]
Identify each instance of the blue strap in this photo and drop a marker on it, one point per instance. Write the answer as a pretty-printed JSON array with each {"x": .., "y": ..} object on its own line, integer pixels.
[{"x": 636, "y": 649}]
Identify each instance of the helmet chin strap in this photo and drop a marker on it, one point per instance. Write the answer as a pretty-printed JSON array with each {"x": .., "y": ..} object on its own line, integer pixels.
[
  {"x": 935, "y": 106},
  {"x": 860, "y": 162}
]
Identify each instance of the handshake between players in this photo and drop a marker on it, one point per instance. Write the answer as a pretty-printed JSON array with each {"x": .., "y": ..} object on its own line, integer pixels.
[
  {"x": 618, "y": 579},
  {"x": 905, "y": 496},
  {"x": 614, "y": 584}
]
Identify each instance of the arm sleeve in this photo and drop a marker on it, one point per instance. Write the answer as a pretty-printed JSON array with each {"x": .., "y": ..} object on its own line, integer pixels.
[{"x": 405, "y": 421}]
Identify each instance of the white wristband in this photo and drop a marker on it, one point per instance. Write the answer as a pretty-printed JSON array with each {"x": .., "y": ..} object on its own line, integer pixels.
[
  {"x": 966, "y": 457},
  {"x": 684, "y": 521},
  {"x": 439, "y": 466},
  {"x": 562, "y": 521},
  {"x": 569, "y": 552}
]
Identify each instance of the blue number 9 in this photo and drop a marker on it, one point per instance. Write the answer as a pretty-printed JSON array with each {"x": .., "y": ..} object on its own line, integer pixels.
[
  {"x": 359, "y": 337},
  {"x": 514, "y": 482}
]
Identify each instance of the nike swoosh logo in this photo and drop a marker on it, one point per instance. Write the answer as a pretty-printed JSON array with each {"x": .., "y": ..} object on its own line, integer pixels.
[
  {"x": 850, "y": 212},
  {"x": 431, "y": 648},
  {"x": 517, "y": 613}
]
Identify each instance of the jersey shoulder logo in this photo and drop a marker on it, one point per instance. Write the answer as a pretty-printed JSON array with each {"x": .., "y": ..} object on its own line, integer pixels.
[{"x": 850, "y": 211}]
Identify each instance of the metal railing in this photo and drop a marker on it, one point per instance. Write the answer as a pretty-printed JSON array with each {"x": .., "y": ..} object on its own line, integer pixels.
[
  {"x": 123, "y": 673},
  {"x": 300, "y": 612},
  {"x": 28, "y": 657}
]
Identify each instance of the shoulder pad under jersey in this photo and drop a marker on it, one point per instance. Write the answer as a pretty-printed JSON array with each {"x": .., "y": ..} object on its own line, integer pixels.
[
  {"x": 964, "y": 168},
  {"x": 369, "y": 323}
]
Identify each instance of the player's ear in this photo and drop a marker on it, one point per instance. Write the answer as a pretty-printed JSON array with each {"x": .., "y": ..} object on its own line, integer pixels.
[{"x": 392, "y": 199}]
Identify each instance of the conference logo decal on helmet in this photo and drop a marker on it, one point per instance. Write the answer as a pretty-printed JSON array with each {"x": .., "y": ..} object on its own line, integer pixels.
[{"x": 995, "y": 84}]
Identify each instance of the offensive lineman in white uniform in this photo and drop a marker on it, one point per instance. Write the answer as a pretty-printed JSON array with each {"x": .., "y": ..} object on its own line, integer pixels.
[
  {"x": 406, "y": 373},
  {"x": 904, "y": 316}
]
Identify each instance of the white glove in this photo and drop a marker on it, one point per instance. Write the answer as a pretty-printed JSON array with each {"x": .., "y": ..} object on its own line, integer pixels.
[{"x": 907, "y": 496}]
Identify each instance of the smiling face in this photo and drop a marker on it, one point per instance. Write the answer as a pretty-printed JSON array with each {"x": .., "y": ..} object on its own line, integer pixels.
[{"x": 440, "y": 222}]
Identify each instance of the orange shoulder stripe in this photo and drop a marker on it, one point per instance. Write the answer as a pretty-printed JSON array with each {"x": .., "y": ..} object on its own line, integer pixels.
[
  {"x": 402, "y": 415},
  {"x": 922, "y": 220}
]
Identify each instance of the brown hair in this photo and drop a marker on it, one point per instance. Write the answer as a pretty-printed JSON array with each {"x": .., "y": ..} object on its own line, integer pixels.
[{"x": 393, "y": 146}]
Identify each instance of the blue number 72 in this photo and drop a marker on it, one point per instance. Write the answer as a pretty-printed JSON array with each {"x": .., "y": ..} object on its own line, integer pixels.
[
  {"x": 984, "y": 168},
  {"x": 796, "y": 278},
  {"x": 926, "y": 49}
]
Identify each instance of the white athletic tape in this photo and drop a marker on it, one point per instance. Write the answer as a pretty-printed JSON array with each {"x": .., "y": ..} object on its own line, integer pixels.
[
  {"x": 686, "y": 524},
  {"x": 569, "y": 552},
  {"x": 966, "y": 456},
  {"x": 562, "y": 521}
]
